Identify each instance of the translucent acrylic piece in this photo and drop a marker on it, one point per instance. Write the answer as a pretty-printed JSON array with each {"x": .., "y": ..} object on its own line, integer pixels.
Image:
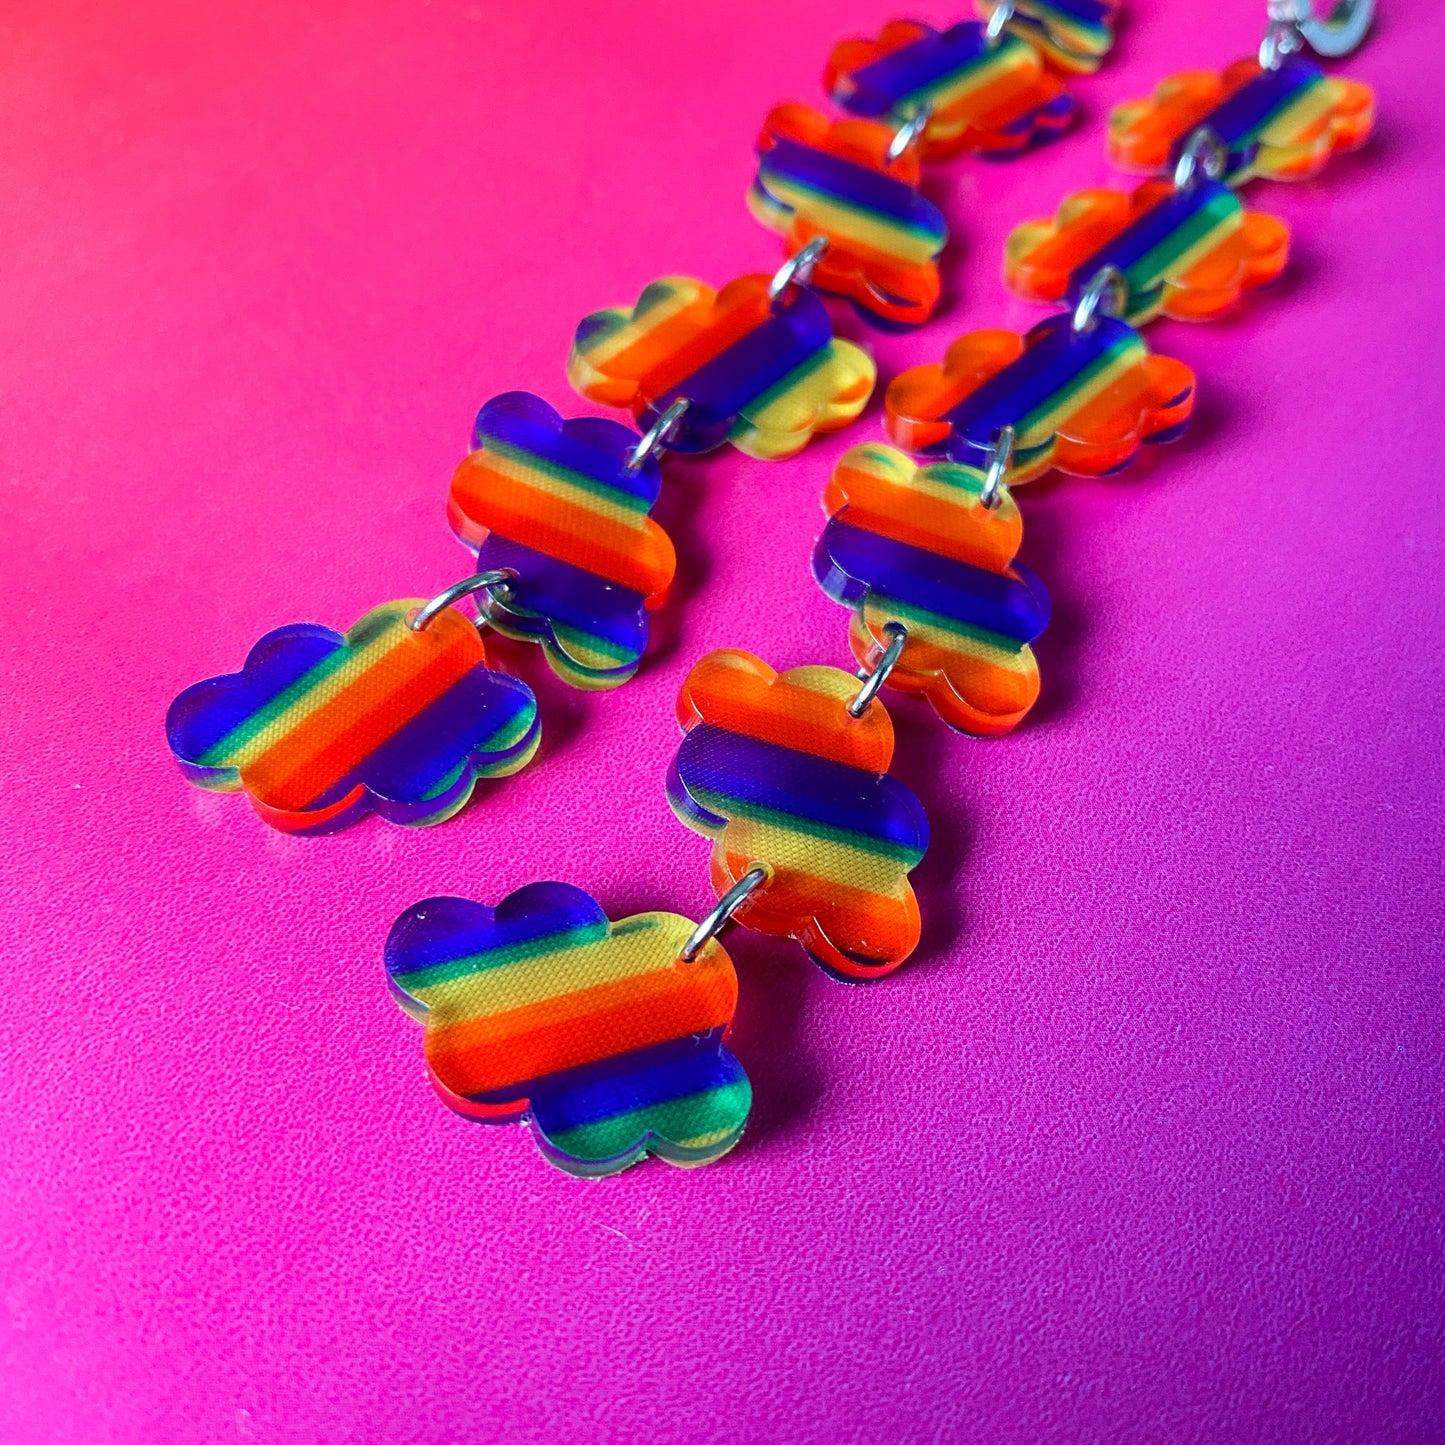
[
  {"x": 816, "y": 178},
  {"x": 917, "y": 546},
  {"x": 775, "y": 771},
  {"x": 762, "y": 374},
  {"x": 1284, "y": 124},
  {"x": 1083, "y": 402},
  {"x": 555, "y": 502},
  {"x": 1072, "y": 35},
  {"x": 1185, "y": 253},
  {"x": 597, "y": 1033},
  {"x": 992, "y": 98},
  {"x": 318, "y": 729}
]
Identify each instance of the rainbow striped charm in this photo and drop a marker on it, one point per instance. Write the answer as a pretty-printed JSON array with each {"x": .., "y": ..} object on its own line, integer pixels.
[
  {"x": 1284, "y": 124},
  {"x": 917, "y": 546},
  {"x": 760, "y": 374},
  {"x": 556, "y": 503},
  {"x": 595, "y": 1032},
  {"x": 1081, "y": 401},
  {"x": 1073, "y": 35},
  {"x": 775, "y": 771},
  {"x": 995, "y": 99},
  {"x": 319, "y": 729},
  {"x": 836, "y": 181},
  {"x": 1186, "y": 253}
]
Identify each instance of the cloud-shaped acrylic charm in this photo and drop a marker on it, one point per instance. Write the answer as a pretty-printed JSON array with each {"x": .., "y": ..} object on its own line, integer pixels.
[
  {"x": 917, "y": 546},
  {"x": 1185, "y": 252},
  {"x": 775, "y": 771},
  {"x": 1073, "y": 35},
  {"x": 1081, "y": 401},
  {"x": 555, "y": 502},
  {"x": 762, "y": 374},
  {"x": 318, "y": 729},
  {"x": 1284, "y": 124},
  {"x": 994, "y": 98},
  {"x": 598, "y": 1033},
  {"x": 835, "y": 180}
]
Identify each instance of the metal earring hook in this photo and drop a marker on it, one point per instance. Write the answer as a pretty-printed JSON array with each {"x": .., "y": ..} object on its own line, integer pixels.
[
  {"x": 1342, "y": 32},
  {"x": 1293, "y": 25},
  {"x": 727, "y": 905}
]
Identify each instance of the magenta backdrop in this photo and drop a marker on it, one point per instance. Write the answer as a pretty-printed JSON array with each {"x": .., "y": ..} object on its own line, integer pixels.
[{"x": 1144, "y": 1144}]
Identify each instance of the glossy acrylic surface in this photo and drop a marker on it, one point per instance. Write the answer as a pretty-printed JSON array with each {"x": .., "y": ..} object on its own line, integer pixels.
[
  {"x": 1083, "y": 402},
  {"x": 1074, "y": 35},
  {"x": 915, "y": 545},
  {"x": 993, "y": 99},
  {"x": 320, "y": 729},
  {"x": 763, "y": 375},
  {"x": 834, "y": 180},
  {"x": 776, "y": 772},
  {"x": 1284, "y": 124},
  {"x": 1184, "y": 253},
  {"x": 555, "y": 502},
  {"x": 597, "y": 1032}
]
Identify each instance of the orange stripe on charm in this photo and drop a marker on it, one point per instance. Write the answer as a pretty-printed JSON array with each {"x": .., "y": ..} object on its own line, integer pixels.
[
  {"x": 742, "y": 307},
  {"x": 638, "y": 557},
  {"x": 727, "y": 690},
  {"x": 501, "y": 1050},
  {"x": 331, "y": 742}
]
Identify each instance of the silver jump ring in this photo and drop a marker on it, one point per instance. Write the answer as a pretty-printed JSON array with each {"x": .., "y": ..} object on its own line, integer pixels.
[
  {"x": 477, "y": 583},
  {"x": 1282, "y": 38},
  {"x": 1107, "y": 293},
  {"x": 996, "y": 22},
  {"x": 1000, "y": 457},
  {"x": 657, "y": 436},
  {"x": 797, "y": 270},
  {"x": 727, "y": 905},
  {"x": 875, "y": 679},
  {"x": 1203, "y": 151},
  {"x": 908, "y": 132}
]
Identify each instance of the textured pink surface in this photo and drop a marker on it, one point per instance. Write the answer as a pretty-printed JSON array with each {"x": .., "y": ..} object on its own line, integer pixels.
[{"x": 1145, "y": 1144}]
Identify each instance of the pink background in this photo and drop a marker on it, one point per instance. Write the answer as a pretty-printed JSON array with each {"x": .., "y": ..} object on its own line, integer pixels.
[{"x": 1144, "y": 1144}]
